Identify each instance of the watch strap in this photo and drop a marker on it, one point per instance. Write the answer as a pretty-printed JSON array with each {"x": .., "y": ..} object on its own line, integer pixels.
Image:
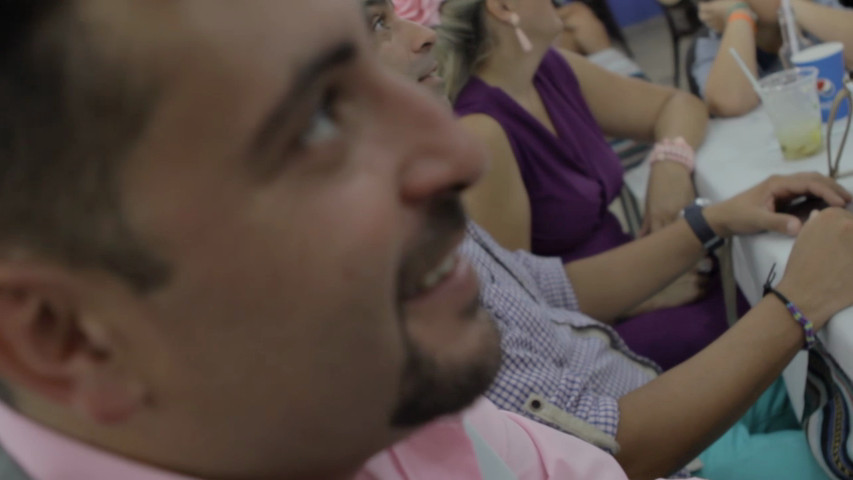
[{"x": 694, "y": 217}]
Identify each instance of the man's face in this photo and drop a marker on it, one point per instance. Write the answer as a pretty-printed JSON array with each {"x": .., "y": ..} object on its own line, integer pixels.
[
  {"x": 402, "y": 45},
  {"x": 308, "y": 204}
]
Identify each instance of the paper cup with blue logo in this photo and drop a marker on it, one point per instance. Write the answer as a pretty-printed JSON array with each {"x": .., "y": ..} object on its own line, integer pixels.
[{"x": 829, "y": 60}]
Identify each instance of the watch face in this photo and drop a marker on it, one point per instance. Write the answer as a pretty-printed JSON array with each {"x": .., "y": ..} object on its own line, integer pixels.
[{"x": 702, "y": 202}]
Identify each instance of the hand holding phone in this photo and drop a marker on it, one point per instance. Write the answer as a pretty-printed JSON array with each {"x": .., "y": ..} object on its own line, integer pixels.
[{"x": 802, "y": 207}]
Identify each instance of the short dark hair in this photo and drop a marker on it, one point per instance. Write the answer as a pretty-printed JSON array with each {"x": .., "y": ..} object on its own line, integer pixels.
[{"x": 68, "y": 116}]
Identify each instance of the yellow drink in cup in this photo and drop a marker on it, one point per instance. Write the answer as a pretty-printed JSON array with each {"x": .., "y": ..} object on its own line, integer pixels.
[
  {"x": 791, "y": 102},
  {"x": 800, "y": 142}
]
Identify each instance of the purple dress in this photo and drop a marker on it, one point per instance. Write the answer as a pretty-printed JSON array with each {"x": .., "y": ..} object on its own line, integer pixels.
[{"x": 571, "y": 179}]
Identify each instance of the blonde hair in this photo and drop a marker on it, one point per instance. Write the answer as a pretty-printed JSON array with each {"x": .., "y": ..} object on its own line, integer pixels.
[{"x": 463, "y": 42}]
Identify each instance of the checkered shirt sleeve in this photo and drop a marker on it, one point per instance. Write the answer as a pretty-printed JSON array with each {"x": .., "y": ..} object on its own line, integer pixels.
[
  {"x": 549, "y": 348},
  {"x": 549, "y": 274}
]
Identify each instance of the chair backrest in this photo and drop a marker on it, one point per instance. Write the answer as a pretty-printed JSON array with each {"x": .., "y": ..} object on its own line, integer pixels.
[
  {"x": 690, "y": 60},
  {"x": 682, "y": 16}
]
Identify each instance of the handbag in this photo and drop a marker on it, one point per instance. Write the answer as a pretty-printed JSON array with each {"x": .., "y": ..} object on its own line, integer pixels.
[
  {"x": 828, "y": 413},
  {"x": 827, "y": 416}
]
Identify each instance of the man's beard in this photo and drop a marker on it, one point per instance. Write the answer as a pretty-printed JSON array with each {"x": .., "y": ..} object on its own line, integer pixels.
[
  {"x": 431, "y": 390},
  {"x": 430, "y": 387}
]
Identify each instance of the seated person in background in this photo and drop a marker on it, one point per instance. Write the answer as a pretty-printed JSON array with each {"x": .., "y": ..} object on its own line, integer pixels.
[
  {"x": 541, "y": 113},
  {"x": 228, "y": 250},
  {"x": 566, "y": 370},
  {"x": 752, "y": 29},
  {"x": 583, "y": 33},
  {"x": 824, "y": 20},
  {"x": 826, "y": 24}
]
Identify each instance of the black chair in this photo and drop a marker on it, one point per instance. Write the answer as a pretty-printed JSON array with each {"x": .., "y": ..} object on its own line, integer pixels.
[
  {"x": 682, "y": 17},
  {"x": 602, "y": 10},
  {"x": 690, "y": 60}
]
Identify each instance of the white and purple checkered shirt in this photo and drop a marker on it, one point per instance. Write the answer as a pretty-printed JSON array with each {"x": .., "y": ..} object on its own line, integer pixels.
[{"x": 551, "y": 350}]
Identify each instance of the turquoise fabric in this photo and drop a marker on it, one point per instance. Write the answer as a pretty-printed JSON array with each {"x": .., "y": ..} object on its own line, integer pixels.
[
  {"x": 766, "y": 444},
  {"x": 9, "y": 470},
  {"x": 491, "y": 465}
]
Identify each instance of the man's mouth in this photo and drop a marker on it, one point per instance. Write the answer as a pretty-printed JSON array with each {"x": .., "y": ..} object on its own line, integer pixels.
[
  {"x": 431, "y": 73},
  {"x": 431, "y": 272},
  {"x": 451, "y": 286},
  {"x": 434, "y": 270},
  {"x": 439, "y": 273}
]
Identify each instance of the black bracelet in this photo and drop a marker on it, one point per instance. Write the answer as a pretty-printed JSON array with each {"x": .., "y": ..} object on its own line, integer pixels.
[{"x": 808, "y": 326}]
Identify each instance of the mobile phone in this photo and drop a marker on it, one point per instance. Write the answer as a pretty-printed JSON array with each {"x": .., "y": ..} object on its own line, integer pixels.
[{"x": 802, "y": 206}]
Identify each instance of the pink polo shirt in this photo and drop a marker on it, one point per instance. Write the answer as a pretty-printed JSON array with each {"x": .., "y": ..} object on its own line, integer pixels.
[
  {"x": 46, "y": 455},
  {"x": 525, "y": 450}
]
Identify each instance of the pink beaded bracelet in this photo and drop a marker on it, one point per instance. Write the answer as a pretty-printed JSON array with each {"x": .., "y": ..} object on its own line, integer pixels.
[{"x": 677, "y": 150}]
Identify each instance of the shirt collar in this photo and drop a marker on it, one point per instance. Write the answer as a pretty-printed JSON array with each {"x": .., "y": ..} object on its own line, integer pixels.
[
  {"x": 46, "y": 455},
  {"x": 441, "y": 449}
]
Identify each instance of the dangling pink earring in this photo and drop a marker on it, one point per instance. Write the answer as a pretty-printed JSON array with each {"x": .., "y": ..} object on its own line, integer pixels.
[{"x": 523, "y": 40}]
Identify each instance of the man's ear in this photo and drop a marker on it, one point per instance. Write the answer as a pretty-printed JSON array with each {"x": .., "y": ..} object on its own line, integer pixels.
[
  {"x": 54, "y": 344},
  {"x": 501, "y": 10}
]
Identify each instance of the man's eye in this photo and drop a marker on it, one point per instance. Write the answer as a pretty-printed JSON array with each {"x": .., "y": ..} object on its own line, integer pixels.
[
  {"x": 323, "y": 125},
  {"x": 379, "y": 23}
]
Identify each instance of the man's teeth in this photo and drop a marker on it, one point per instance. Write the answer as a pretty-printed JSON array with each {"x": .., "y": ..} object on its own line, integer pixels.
[{"x": 434, "y": 277}]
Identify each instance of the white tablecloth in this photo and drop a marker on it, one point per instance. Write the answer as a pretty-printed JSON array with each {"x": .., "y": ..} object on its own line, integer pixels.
[{"x": 738, "y": 154}]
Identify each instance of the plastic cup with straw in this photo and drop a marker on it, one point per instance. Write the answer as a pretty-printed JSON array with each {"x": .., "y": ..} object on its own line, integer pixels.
[{"x": 791, "y": 103}]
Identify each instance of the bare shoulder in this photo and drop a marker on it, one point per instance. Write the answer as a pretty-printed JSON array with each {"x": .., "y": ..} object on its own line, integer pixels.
[
  {"x": 484, "y": 126},
  {"x": 498, "y": 201},
  {"x": 493, "y": 137}
]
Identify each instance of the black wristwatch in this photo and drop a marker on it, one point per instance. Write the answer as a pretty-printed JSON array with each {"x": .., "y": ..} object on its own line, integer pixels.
[{"x": 693, "y": 214}]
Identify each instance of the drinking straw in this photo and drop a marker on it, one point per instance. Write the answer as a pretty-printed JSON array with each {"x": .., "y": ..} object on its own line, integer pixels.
[
  {"x": 790, "y": 22},
  {"x": 749, "y": 75}
]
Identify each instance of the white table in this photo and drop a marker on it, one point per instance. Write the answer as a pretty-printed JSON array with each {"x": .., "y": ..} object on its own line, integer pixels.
[{"x": 737, "y": 154}]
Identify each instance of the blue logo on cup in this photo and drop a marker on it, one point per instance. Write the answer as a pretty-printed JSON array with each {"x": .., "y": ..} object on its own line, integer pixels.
[
  {"x": 829, "y": 60},
  {"x": 826, "y": 89}
]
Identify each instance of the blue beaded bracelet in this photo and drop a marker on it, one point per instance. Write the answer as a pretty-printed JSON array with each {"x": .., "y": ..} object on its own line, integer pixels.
[{"x": 808, "y": 326}]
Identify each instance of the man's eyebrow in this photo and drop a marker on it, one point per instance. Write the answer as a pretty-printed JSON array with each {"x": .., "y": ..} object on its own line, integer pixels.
[
  {"x": 377, "y": 3},
  {"x": 331, "y": 58}
]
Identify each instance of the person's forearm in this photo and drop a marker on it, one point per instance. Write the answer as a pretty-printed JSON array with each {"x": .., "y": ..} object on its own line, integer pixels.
[
  {"x": 684, "y": 116},
  {"x": 828, "y": 24},
  {"x": 765, "y": 9},
  {"x": 728, "y": 93},
  {"x": 670, "y": 186},
  {"x": 668, "y": 422},
  {"x": 611, "y": 283}
]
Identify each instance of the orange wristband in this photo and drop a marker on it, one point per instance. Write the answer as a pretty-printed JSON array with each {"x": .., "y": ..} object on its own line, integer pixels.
[{"x": 742, "y": 15}]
